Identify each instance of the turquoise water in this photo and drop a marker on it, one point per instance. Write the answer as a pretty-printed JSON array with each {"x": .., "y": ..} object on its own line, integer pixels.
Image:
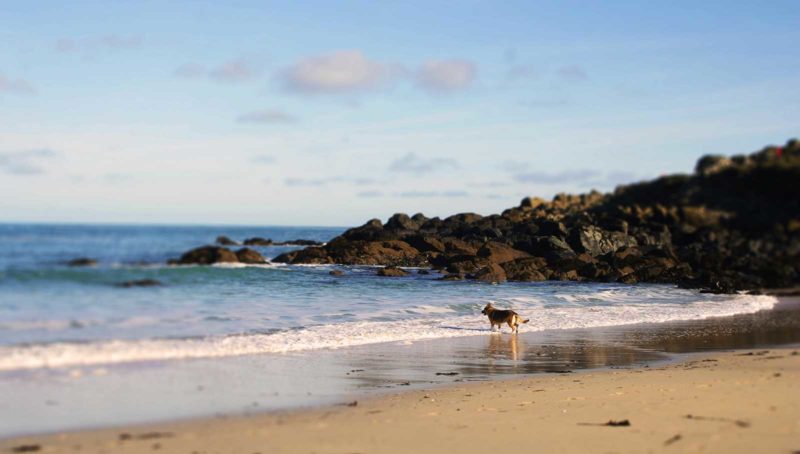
[{"x": 52, "y": 315}]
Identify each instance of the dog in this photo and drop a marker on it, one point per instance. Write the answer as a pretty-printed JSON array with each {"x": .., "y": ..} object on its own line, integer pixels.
[{"x": 499, "y": 316}]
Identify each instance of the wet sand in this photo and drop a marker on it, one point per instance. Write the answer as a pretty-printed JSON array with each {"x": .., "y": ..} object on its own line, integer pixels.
[
  {"x": 212, "y": 393},
  {"x": 743, "y": 401}
]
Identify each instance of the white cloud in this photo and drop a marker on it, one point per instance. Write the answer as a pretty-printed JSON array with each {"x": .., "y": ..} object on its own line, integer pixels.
[
  {"x": 106, "y": 42},
  {"x": 232, "y": 71},
  {"x": 344, "y": 71},
  {"x": 27, "y": 162},
  {"x": 19, "y": 86},
  {"x": 238, "y": 70},
  {"x": 446, "y": 75},
  {"x": 411, "y": 163}
]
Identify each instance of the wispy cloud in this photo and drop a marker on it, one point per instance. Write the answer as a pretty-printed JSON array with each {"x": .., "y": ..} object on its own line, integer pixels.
[
  {"x": 233, "y": 71},
  {"x": 432, "y": 194},
  {"x": 106, "y": 42},
  {"x": 266, "y": 117},
  {"x": 239, "y": 70},
  {"x": 586, "y": 177},
  {"x": 369, "y": 194},
  {"x": 443, "y": 76},
  {"x": 566, "y": 176},
  {"x": 411, "y": 163},
  {"x": 27, "y": 162},
  {"x": 313, "y": 182},
  {"x": 17, "y": 86},
  {"x": 572, "y": 73},
  {"x": 343, "y": 71}
]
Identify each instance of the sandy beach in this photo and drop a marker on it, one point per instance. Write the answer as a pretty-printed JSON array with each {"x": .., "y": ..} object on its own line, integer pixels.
[{"x": 740, "y": 401}]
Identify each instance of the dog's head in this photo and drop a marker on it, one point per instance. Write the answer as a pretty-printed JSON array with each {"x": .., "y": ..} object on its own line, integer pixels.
[{"x": 487, "y": 309}]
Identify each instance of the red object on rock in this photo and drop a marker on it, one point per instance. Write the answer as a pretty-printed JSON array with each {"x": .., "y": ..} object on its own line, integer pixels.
[{"x": 779, "y": 151}]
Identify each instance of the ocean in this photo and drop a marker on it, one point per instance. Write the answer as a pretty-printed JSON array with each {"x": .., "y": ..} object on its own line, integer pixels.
[{"x": 56, "y": 316}]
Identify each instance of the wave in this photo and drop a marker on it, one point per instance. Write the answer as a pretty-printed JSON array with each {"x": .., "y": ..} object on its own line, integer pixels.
[{"x": 438, "y": 324}]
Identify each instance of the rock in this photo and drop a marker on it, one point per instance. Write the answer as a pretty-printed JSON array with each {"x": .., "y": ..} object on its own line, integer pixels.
[
  {"x": 451, "y": 277},
  {"x": 457, "y": 246},
  {"x": 491, "y": 273},
  {"x": 247, "y": 255},
  {"x": 529, "y": 269},
  {"x": 732, "y": 225},
  {"x": 82, "y": 261},
  {"x": 316, "y": 255},
  {"x": 258, "y": 241},
  {"x": 392, "y": 271},
  {"x": 552, "y": 248},
  {"x": 531, "y": 203},
  {"x": 426, "y": 243},
  {"x": 423, "y": 272},
  {"x": 225, "y": 241},
  {"x": 596, "y": 241},
  {"x": 208, "y": 255},
  {"x": 499, "y": 252},
  {"x": 336, "y": 273},
  {"x": 298, "y": 242},
  {"x": 140, "y": 283},
  {"x": 391, "y": 252},
  {"x": 552, "y": 228},
  {"x": 401, "y": 221},
  {"x": 711, "y": 164}
]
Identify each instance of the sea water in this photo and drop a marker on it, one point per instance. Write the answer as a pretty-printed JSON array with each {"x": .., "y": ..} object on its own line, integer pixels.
[{"x": 54, "y": 316}]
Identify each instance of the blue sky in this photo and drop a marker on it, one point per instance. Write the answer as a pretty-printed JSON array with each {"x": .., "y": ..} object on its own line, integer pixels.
[{"x": 331, "y": 113}]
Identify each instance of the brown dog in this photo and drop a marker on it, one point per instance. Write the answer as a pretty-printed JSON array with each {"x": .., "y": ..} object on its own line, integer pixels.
[{"x": 499, "y": 316}]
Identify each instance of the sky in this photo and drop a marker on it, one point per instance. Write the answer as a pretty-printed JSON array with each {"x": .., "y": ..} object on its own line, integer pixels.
[{"x": 332, "y": 113}]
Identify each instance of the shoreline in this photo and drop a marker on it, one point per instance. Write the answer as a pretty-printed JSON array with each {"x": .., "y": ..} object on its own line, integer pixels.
[
  {"x": 740, "y": 401},
  {"x": 75, "y": 399}
]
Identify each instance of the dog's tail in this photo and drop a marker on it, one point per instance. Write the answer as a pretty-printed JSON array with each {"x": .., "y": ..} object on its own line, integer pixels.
[{"x": 525, "y": 321}]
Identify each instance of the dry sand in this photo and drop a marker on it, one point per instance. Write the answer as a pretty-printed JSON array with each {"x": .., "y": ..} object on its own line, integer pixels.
[{"x": 743, "y": 401}]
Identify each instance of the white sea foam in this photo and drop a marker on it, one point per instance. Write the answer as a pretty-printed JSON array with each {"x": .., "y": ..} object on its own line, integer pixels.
[{"x": 625, "y": 310}]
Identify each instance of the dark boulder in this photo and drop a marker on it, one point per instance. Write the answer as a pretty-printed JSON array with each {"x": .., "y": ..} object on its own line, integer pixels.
[
  {"x": 527, "y": 269},
  {"x": 596, "y": 241},
  {"x": 140, "y": 283},
  {"x": 490, "y": 273},
  {"x": 247, "y": 255},
  {"x": 82, "y": 261},
  {"x": 336, "y": 272},
  {"x": 552, "y": 248},
  {"x": 225, "y": 241},
  {"x": 316, "y": 255},
  {"x": 392, "y": 271},
  {"x": 258, "y": 241},
  {"x": 711, "y": 164},
  {"x": 400, "y": 222},
  {"x": 298, "y": 242},
  {"x": 499, "y": 252},
  {"x": 207, "y": 255},
  {"x": 426, "y": 243}
]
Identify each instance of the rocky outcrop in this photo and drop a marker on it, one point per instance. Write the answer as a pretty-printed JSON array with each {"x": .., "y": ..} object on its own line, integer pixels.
[
  {"x": 250, "y": 256},
  {"x": 207, "y": 255},
  {"x": 732, "y": 225},
  {"x": 392, "y": 271},
  {"x": 223, "y": 240},
  {"x": 257, "y": 241}
]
